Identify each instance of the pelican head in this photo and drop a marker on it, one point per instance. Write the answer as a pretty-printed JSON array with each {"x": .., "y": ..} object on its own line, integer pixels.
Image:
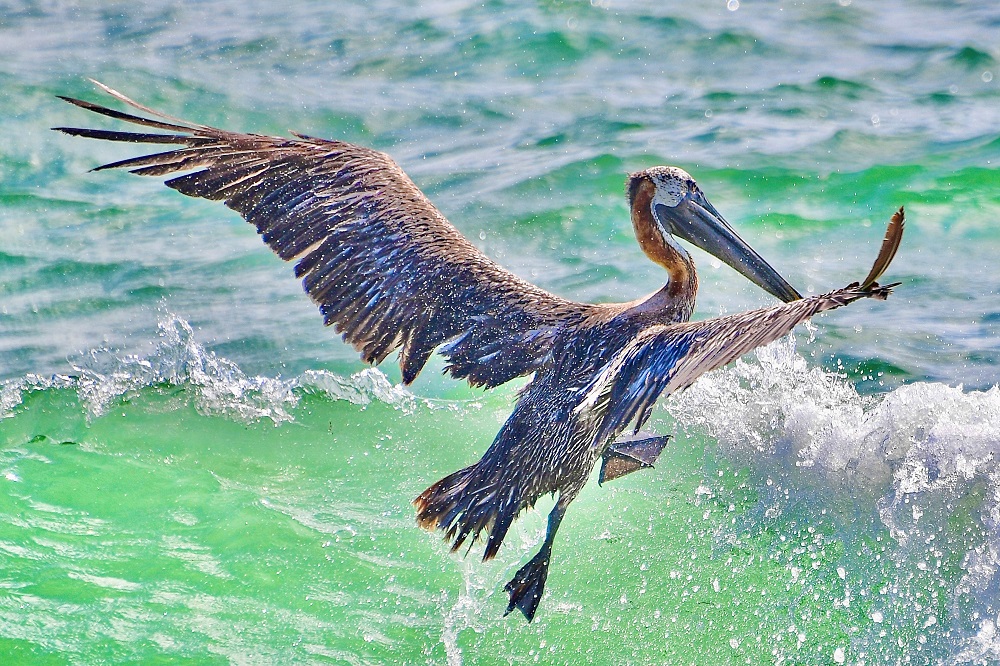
[{"x": 680, "y": 209}]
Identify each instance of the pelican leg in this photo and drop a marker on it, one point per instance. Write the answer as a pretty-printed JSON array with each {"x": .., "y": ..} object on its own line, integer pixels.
[
  {"x": 526, "y": 587},
  {"x": 631, "y": 454}
]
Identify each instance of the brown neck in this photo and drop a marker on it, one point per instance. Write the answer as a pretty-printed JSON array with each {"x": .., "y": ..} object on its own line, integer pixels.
[{"x": 682, "y": 286}]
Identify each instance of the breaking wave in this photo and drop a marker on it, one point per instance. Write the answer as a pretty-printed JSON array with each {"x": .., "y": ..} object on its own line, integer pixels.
[
  {"x": 218, "y": 386},
  {"x": 924, "y": 457}
]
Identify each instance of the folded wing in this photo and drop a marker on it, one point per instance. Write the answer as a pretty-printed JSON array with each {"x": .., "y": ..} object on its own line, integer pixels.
[{"x": 386, "y": 268}]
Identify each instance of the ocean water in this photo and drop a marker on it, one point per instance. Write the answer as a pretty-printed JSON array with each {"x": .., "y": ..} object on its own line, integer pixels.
[{"x": 194, "y": 470}]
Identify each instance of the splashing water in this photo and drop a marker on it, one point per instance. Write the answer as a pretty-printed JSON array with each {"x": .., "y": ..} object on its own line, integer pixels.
[
  {"x": 900, "y": 492},
  {"x": 104, "y": 377},
  {"x": 925, "y": 456}
]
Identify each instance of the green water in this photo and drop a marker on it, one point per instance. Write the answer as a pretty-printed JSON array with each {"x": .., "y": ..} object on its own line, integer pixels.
[
  {"x": 194, "y": 470},
  {"x": 154, "y": 531}
]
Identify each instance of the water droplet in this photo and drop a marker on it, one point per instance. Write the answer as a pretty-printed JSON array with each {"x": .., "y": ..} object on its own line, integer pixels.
[
  {"x": 875, "y": 119},
  {"x": 708, "y": 113},
  {"x": 733, "y": 5},
  {"x": 987, "y": 76},
  {"x": 877, "y": 617}
]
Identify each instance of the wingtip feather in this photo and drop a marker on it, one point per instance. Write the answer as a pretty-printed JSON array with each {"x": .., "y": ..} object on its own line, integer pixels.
[
  {"x": 142, "y": 107},
  {"x": 890, "y": 244}
]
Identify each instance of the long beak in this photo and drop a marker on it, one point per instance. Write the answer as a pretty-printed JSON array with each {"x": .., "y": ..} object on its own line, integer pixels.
[{"x": 695, "y": 220}]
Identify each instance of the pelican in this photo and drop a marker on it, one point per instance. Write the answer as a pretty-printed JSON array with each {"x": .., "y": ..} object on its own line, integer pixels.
[{"x": 389, "y": 272}]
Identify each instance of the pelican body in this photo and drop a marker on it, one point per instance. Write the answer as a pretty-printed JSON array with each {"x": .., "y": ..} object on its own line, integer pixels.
[{"x": 389, "y": 272}]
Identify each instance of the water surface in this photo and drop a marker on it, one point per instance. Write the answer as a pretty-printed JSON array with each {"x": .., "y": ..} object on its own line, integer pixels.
[{"x": 195, "y": 469}]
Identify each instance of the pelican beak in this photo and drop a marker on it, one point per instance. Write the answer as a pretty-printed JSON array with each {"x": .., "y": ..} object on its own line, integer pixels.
[{"x": 695, "y": 220}]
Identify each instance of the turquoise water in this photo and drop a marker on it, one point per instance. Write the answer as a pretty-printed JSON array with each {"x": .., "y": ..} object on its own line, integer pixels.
[{"x": 194, "y": 470}]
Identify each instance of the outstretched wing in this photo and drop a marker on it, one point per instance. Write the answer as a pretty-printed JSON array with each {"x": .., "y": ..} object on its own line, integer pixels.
[
  {"x": 386, "y": 268},
  {"x": 665, "y": 359}
]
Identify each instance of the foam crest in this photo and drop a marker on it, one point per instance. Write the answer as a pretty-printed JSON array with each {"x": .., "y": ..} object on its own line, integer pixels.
[
  {"x": 217, "y": 386},
  {"x": 178, "y": 359},
  {"x": 916, "y": 438},
  {"x": 924, "y": 457},
  {"x": 361, "y": 388}
]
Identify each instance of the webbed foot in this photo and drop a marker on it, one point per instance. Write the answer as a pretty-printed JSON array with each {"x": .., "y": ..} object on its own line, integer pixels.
[
  {"x": 631, "y": 454},
  {"x": 527, "y": 585}
]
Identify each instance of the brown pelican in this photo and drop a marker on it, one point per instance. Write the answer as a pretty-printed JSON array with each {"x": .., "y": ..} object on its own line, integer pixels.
[{"x": 389, "y": 272}]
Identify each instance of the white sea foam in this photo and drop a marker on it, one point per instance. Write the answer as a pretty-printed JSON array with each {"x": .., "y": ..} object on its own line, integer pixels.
[
  {"x": 921, "y": 455},
  {"x": 102, "y": 377}
]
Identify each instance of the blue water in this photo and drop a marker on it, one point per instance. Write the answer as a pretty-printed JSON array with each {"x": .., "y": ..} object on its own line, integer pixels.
[{"x": 193, "y": 467}]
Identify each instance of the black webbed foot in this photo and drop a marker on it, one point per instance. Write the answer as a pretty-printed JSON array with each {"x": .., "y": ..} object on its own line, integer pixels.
[
  {"x": 527, "y": 585},
  {"x": 631, "y": 454}
]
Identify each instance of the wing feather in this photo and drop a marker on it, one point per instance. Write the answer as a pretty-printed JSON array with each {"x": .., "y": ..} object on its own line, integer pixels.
[
  {"x": 386, "y": 269},
  {"x": 664, "y": 359},
  {"x": 893, "y": 236}
]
